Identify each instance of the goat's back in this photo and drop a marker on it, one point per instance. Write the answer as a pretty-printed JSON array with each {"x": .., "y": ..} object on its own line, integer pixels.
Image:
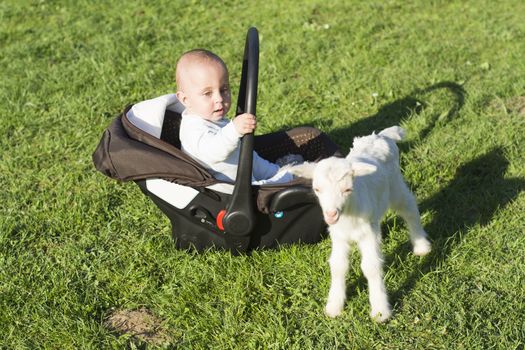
[{"x": 378, "y": 147}]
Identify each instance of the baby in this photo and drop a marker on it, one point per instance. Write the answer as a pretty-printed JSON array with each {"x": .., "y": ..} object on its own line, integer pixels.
[{"x": 205, "y": 133}]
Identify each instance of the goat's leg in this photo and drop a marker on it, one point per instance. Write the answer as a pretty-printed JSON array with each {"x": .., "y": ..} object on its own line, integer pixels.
[
  {"x": 406, "y": 207},
  {"x": 372, "y": 267},
  {"x": 338, "y": 268}
]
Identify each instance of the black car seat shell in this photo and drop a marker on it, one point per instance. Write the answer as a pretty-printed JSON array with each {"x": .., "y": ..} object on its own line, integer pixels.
[{"x": 142, "y": 145}]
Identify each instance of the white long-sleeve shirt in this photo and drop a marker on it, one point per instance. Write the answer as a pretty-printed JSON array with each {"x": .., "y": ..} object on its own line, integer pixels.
[{"x": 216, "y": 146}]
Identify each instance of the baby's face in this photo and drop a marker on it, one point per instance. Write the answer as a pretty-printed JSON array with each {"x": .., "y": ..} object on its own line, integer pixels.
[{"x": 206, "y": 90}]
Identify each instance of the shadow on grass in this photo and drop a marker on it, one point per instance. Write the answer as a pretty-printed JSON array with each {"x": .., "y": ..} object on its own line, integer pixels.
[
  {"x": 477, "y": 191},
  {"x": 395, "y": 112}
]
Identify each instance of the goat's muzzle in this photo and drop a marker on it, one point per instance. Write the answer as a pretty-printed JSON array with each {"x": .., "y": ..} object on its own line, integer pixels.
[{"x": 331, "y": 216}]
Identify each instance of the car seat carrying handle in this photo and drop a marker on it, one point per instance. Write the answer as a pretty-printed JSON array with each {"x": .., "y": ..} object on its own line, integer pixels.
[{"x": 239, "y": 219}]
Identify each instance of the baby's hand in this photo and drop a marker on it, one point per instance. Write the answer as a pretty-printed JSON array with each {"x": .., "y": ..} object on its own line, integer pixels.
[{"x": 245, "y": 123}]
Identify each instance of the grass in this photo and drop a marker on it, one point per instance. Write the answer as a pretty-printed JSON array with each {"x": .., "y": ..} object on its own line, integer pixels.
[{"x": 76, "y": 246}]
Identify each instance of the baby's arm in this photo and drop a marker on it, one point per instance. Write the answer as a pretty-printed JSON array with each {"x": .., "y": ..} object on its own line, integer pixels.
[
  {"x": 202, "y": 142},
  {"x": 218, "y": 147},
  {"x": 262, "y": 169}
]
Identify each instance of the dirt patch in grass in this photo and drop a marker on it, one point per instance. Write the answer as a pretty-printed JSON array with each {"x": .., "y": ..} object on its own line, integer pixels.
[
  {"x": 512, "y": 105},
  {"x": 516, "y": 104},
  {"x": 141, "y": 324}
]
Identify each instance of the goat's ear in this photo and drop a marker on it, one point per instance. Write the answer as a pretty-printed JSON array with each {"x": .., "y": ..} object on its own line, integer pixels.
[
  {"x": 360, "y": 168},
  {"x": 305, "y": 170}
]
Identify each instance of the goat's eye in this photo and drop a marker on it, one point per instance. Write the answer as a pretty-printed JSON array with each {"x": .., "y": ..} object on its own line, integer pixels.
[
  {"x": 316, "y": 190},
  {"x": 347, "y": 190}
]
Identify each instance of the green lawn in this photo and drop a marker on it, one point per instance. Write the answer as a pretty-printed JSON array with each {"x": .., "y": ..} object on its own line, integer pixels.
[{"x": 77, "y": 248}]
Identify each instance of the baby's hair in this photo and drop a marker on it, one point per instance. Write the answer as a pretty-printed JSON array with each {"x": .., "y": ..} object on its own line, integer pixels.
[{"x": 202, "y": 55}]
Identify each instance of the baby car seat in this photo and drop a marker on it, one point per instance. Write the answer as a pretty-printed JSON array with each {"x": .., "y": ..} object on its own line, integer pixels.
[{"x": 142, "y": 144}]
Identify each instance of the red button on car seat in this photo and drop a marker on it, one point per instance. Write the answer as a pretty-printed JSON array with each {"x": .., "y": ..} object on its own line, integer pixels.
[{"x": 220, "y": 217}]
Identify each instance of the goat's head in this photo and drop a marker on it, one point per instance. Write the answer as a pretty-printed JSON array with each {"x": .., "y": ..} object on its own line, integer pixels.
[{"x": 332, "y": 182}]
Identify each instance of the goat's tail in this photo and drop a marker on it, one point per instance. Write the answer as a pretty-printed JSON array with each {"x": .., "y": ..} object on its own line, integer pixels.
[{"x": 395, "y": 133}]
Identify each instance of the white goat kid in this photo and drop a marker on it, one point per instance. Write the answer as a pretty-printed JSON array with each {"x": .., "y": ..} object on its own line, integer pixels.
[{"x": 354, "y": 193}]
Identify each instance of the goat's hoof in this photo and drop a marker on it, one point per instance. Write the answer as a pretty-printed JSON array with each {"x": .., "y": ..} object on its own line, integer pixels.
[
  {"x": 381, "y": 315},
  {"x": 333, "y": 310},
  {"x": 422, "y": 247}
]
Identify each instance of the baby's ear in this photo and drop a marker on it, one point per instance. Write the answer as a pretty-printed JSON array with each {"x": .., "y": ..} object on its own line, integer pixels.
[
  {"x": 305, "y": 170},
  {"x": 181, "y": 97},
  {"x": 360, "y": 168}
]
